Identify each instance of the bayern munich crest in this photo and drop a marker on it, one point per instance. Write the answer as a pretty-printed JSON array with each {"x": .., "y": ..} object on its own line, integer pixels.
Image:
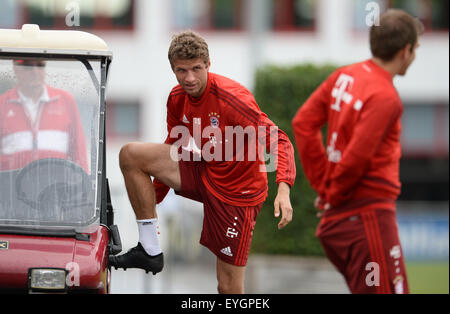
[{"x": 214, "y": 119}]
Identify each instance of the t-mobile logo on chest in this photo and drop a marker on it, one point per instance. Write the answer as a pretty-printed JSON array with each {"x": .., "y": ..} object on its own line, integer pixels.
[{"x": 341, "y": 91}]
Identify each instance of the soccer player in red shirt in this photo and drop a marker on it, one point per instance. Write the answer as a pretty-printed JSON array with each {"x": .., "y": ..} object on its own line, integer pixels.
[
  {"x": 357, "y": 175},
  {"x": 214, "y": 154}
]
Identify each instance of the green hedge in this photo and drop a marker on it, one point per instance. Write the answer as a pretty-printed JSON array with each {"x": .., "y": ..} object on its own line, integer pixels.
[{"x": 280, "y": 91}]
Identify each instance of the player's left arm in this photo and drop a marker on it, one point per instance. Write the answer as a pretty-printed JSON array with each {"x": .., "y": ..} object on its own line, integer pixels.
[
  {"x": 281, "y": 149},
  {"x": 283, "y": 204}
]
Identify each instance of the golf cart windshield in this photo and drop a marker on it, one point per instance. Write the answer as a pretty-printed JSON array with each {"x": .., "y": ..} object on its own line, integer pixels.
[{"x": 49, "y": 142}]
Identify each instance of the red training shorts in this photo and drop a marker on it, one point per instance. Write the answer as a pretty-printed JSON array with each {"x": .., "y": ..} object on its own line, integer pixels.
[
  {"x": 364, "y": 246},
  {"x": 227, "y": 230}
]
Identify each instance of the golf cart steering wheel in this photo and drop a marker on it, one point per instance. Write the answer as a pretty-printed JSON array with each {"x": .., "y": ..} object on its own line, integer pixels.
[{"x": 53, "y": 182}]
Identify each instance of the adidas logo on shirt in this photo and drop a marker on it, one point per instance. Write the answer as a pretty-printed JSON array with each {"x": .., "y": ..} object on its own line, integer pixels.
[{"x": 227, "y": 251}]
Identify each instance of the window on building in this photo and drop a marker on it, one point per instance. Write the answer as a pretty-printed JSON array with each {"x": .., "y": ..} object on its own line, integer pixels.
[
  {"x": 233, "y": 14},
  {"x": 424, "y": 165},
  {"x": 9, "y": 14},
  {"x": 293, "y": 14},
  {"x": 433, "y": 13},
  {"x": 208, "y": 14},
  {"x": 424, "y": 178},
  {"x": 425, "y": 130},
  {"x": 439, "y": 14},
  {"x": 69, "y": 14},
  {"x": 418, "y": 130},
  {"x": 123, "y": 119}
]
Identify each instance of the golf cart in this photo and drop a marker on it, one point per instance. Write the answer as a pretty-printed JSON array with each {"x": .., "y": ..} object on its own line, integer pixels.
[{"x": 56, "y": 218}]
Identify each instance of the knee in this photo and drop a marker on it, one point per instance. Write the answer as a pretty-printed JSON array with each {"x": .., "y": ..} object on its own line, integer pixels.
[
  {"x": 128, "y": 156},
  {"x": 230, "y": 288},
  {"x": 230, "y": 278},
  {"x": 223, "y": 288}
]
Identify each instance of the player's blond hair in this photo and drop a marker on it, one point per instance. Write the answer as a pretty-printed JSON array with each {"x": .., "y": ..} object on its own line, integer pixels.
[{"x": 188, "y": 45}]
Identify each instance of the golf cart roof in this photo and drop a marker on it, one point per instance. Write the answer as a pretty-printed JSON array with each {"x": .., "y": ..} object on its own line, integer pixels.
[{"x": 33, "y": 40}]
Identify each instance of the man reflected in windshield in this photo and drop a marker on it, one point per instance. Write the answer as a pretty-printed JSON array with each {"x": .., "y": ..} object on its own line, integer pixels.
[{"x": 38, "y": 121}]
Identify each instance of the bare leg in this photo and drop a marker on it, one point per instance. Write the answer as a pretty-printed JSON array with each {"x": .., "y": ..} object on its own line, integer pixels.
[
  {"x": 139, "y": 161},
  {"x": 230, "y": 278}
]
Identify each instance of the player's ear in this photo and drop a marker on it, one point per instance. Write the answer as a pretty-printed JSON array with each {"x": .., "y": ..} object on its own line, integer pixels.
[
  {"x": 208, "y": 65},
  {"x": 406, "y": 51}
]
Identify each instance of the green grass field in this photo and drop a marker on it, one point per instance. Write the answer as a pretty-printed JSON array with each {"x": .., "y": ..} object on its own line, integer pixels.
[{"x": 428, "y": 277}]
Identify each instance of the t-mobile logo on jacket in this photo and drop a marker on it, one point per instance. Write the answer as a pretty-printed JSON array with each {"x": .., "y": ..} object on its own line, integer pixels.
[{"x": 340, "y": 91}]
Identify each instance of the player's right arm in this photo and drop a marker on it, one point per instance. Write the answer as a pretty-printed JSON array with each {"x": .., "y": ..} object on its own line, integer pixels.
[{"x": 307, "y": 125}]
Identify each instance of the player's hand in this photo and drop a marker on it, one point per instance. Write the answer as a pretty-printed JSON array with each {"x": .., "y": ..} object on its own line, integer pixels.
[
  {"x": 283, "y": 203},
  {"x": 321, "y": 206}
]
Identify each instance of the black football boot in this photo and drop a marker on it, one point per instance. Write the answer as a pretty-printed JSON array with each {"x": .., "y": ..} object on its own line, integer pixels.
[{"x": 137, "y": 257}]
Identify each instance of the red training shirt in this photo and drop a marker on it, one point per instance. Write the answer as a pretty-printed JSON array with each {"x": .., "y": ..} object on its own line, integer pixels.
[
  {"x": 361, "y": 162},
  {"x": 234, "y": 173}
]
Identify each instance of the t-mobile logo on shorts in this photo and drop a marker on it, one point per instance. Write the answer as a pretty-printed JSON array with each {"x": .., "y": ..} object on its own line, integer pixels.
[
  {"x": 232, "y": 233},
  {"x": 395, "y": 252}
]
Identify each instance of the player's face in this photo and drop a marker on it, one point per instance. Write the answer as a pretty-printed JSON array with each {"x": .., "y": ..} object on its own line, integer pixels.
[
  {"x": 192, "y": 74},
  {"x": 409, "y": 57}
]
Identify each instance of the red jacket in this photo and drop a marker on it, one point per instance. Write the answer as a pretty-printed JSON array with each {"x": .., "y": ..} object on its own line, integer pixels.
[
  {"x": 361, "y": 161},
  {"x": 236, "y": 177},
  {"x": 56, "y": 133}
]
